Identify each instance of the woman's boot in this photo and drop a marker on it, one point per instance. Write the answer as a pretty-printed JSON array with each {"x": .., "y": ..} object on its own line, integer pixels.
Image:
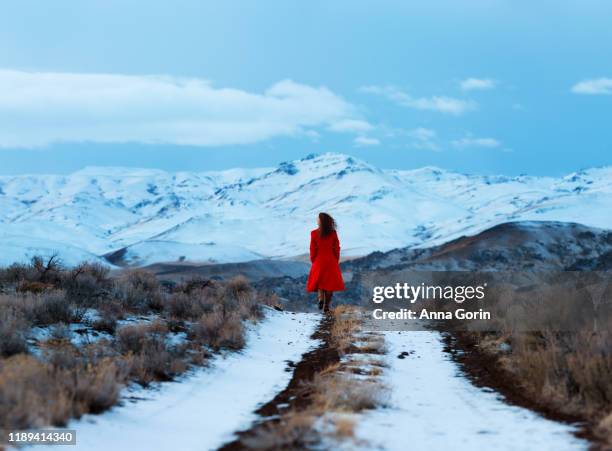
[{"x": 327, "y": 303}]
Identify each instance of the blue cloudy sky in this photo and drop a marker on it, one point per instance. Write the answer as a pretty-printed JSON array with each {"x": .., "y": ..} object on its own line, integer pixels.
[{"x": 476, "y": 86}]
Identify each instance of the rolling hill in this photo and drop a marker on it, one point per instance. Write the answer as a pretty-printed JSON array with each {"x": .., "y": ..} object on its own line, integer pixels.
[{"x": 139, "y": 217}]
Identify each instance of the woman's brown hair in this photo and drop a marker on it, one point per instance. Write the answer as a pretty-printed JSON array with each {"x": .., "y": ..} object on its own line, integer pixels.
[{"x": 328, "y": 225}]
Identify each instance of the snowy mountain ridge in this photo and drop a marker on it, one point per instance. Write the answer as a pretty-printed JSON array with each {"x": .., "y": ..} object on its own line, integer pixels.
[{"x": 141, "y": 216}]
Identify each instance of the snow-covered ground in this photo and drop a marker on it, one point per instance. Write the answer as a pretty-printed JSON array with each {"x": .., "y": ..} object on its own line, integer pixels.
[
  {"x": 432, "y": 405},
  {"x": 246, "y": 214},
  {"x": 203, "y": 410},
  {"x": 435, "y": 407}
]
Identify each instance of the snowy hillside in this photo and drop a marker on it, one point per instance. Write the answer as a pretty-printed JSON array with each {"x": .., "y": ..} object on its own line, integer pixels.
[{"x": 145, "y": 216}]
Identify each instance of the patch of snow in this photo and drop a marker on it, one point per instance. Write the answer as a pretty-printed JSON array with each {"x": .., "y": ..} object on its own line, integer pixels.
[
  {"x": 79, "y": 334},
  {"x": 434, "y": 407},
  {"x": 157, "y": 251},
  {"x": 203, "y": 410}
]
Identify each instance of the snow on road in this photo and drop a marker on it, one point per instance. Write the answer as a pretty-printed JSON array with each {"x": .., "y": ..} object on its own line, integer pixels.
[
  {"x": 435, "y": 407},
  {"x": 202, "y": 411}
]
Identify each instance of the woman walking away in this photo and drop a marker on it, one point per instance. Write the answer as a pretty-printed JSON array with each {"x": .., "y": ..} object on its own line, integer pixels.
[{"x": 325, "y": 276}]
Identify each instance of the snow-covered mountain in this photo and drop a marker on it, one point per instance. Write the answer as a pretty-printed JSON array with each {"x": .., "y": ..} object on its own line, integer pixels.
[{"x": 144, "y": 216}]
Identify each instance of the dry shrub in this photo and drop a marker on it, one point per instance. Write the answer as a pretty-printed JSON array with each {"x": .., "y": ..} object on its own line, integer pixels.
[
  {"x": 567, "y": 371},
  {"x": 40, "y": 309},
  {"x": 570, "y": 371},
  {"x": 13, "y": 330},
  {"x": 150, "y": 359},
  {"x": 138, "y": 290},
  {"x": 67, "y": 380},
  {"x": 153, "y": 365},
  {"x": 91, "y": 376},
  {"x": 198, "y": 356},
  {"x": 135, "y": 338},
  {"x": 240, "y": 298},
  {"x": 554, "y": 337},
  {"x": 15, "y": 273},
  {"x": 590, "y": 372},
  {"x": 68, "y": 383},
  {"x": 192, "y": 305},
  {"x": 109, "y": 311},
  {"x": 199, "y": 297},
  {"x": 47, "y": 269},
  {"x": 52, "y": 307},
  {"x": 180, "y": 305},
  {"x": 97, "y": 388},
  {"x": 106, "y": 323},
  {"x": 62, "y": 355},
  {"x": 27, "y": 286},
  {"x": 21, "y": 305},
  {"x": 193, "y": 284},
  {"x": 31, "y": 394},
  {"x": 86, "y": 284},
  {"x": 218, "y": 330},
  {"x": 239, "y": 288}
]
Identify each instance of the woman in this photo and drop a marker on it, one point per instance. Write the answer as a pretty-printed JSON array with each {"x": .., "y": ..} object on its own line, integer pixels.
[{"x": 325, "y": 276}]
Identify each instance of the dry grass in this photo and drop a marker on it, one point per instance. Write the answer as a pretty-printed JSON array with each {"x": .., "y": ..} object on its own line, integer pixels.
[
  {"x": 31, "y": 395},
  {"x": 567, "y": 371},
  {"x": 372, "y": 345},
  {"x": 552, "y": 335},
  {"x": 219, "y": 330},
  {"x": 335, "y": 395},
  {"x": 13, "y": 330},
  {"x": 340, "y": 392},
  {"x": 294, "y": 430},
  {"x": 65, "y": 380},
  {"x": 138, "y": 290},
  {"x": 345, "y": 428},
  {"x": 346, "y": 323},
  {"x": 36, "y": 394},
  {"x": 150, "y": 358},
  {"x": 603, "y": 428},
  {"x": 570, "y": 371}
]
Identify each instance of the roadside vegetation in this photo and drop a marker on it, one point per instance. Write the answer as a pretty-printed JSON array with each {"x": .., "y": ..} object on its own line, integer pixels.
[
  {"x": 71, "y": 338},
  {"x": 566, "y": 373},
  {"x": 330, "y": 387}
]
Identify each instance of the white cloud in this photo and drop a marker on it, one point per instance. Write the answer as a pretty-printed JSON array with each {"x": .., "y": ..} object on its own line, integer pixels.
[
  {"x": 38, "y": 108},
  {"x": 442, "y": 104},
  {"x": 365, "y": 141},
  {"x": 351, "y": 125},
  {"x": 424, "y": 138},
  {"x": 470, "y": 142},
  {"x": 593, "y": 86},
  {"x": 472, "y": 84}
]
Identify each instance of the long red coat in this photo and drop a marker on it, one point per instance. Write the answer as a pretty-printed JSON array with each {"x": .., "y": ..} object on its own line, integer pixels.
[{"x": 325, "y": 271}]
